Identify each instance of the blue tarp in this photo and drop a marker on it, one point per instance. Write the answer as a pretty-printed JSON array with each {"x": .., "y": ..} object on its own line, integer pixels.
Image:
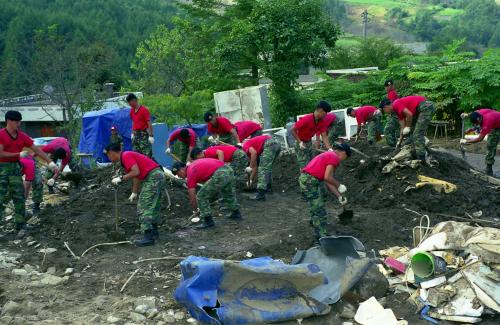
[{"x": 254, "y": 291}]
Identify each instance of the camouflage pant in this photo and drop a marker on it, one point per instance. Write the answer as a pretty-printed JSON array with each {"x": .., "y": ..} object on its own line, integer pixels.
[
  {"x": 391, "y": 131},
  {"x": 141, "y": 144},
  {"x": 227, "y": 138},
  {"x": 12, "y": 188},
  {"x": 373, "y": 127},
  {"x": 271, "y": 151},
  {"x": 335, "y": 130},
  {"x": 311, "y": 189},
  {"x": 238, "y": 164},
  {"x": 419, "y": 128},
  {"x": 150, "y": 199},
  {"x": 304, "y": 156},
  {"x": 491, "y": 145},
  {"x": 37, "y": 185},
  {"x": 220, "y": 185}
]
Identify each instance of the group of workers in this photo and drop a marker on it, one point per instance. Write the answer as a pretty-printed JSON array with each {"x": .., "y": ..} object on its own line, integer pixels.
[{"x": 241, "y": 156}]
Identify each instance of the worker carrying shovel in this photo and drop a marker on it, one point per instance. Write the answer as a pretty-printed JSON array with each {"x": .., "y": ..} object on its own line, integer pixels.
[
  {"x": 415, "y": 114},
  {"x": 188, "y": 141},
  {"x": 141, "y": 169},
  {"x": 369, "y": 116},
  {"x": 223, "y": 128},
  {"x": 489, "y": 121},
  {"x": 318, "y": 172}
]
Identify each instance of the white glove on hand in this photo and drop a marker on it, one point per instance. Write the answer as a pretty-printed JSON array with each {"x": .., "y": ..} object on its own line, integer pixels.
[
  {"x": 211, "y": 139},
  {"x": 23, "y": 154},
  {"x": 132, "y": 197},
  {"x": 342, "y": 189},
  {"x": 132, "y": 136},
  {"x": 52, "y": 166},
  {"x": 302, "y": 145},
  {"x": 239, "y": 144},
  {"x": 342, "y": 200},
  {"x": 331, "y": 149},
  {"x": 377, "y": 112},
  {"x": 464, "y": 115},
  {"x": 463, "y": 141},
  {"x": 51, "y": 182},
  {"x": 188, "y": 163},
  {"x": 406, "y": 130},
  {"x": 248, "y": 170},
  {"x": 151, "y": 140},
  {"x": 168, "y": 151},
  {"x": 116, "y": 180}
]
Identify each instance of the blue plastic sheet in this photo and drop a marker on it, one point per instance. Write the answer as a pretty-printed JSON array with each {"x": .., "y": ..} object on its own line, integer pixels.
[{"x": 255, "y": 291}]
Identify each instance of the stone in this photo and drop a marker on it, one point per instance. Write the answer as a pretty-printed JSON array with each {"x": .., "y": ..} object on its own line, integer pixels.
[
  {"x": 372, "y": 284},
  {"x": 5, "y": 320},
  {"x": 20, "y": 272},
  {"x": 161, "y": 323},
  {"x": 150, "y": 302},
  {"x": 169, "y": 319},
  {"x": 348, "y": 311},
  {"x": 11, "y": 308},
  {"x": 69, "y": 271},
  {"x": 191, "y": 320},
  {"x": 137, "y": 317},
  {"x": 112, "y": 319},
  {"x": 179, "y": 315},
  {"x": 29, "y": 268},
  {"x": 141, "y": 309},
  {"x": 49, "y": 280},
  {"x": 51, "y": 270},
  {"x": 151, "y": 313},
  {"x": 47, "y": 250},
  {"x": 96, "y": 319}
]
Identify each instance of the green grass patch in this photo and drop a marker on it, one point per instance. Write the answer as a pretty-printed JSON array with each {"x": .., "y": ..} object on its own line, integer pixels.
[
  {"x": 346, "y": 42},
  {"x": 450, "y": 12}
]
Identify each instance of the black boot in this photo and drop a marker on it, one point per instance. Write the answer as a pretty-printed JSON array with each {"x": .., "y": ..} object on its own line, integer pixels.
[
  {"x": 260, "y": 196},
  {"x": 208, "y": 222},
  {"x": 236, "y": 215},
  {"x": 156, "y": 235},
  {"x": 24, "y": 229},
  {"x": 269, "y": 188},
  {"x": 489, "y": 170},
  {"x": 146, "y": 240},
  {"x": 51, "y": 189},
  {"x": 36, "y": 208}
]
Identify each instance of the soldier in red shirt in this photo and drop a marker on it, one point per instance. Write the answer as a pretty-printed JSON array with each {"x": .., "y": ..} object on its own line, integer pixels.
[
  {"x": 391, "y": 131},
  {"x": 188, "y": 140},
  {"x": 223, "y": 128},
  {"x": 12, "y": 142},
  {"x": 142, "y": 128},
  {"x": 489, "y": 120},
  {"x": 248, "y": 129},
  {"x": 392, "y": 95},
  {"x": 369, "y": 116}
]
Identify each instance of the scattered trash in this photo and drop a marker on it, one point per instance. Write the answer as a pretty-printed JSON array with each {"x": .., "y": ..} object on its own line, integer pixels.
[
  {"x": 425, "y": 265},
  {"x": 437, "y": 184},
  {"x": 371, "y": 312}
]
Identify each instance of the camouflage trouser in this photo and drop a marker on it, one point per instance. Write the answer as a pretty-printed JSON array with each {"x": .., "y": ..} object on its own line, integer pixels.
[
  {"x": 335, "y": 130},
  {"x": 419, "y": 128},
  {"x": 150, "y": 199},
  {"x": 238, "y": 164},
  {"x": 311, "y": 189},
  {"x": 271, "y": 151},
  {"x": 391, "y": 131},
  {"x": 491, "y": 145},
  {"x": 304, "y": 156},
  {"x": 373, "y": 127},
  {"x": 220, "y": 185},
  {"x": 141, "y": 144},
  {"x": 228, "y": 138},
  {"x": 183, "y": 150},
  {"x": 12, "y": 188},
  {"x": 37, "y": 185}
]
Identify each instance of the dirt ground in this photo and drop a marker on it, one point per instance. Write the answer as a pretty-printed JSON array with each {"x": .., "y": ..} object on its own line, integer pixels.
[{"x": 277, "y": 227}]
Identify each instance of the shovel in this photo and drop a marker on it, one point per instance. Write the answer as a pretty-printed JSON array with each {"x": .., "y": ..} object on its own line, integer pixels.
[{"x": 117, "y": 234}]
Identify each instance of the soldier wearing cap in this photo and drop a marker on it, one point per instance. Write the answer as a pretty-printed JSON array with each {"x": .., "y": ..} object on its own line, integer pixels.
[{"x": 115, "y": 137}]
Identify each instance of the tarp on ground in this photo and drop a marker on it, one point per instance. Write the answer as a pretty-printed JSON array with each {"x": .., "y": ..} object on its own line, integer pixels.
[
  {"x": 340, "y": 261},
  {"x": 254, "y": 291}
]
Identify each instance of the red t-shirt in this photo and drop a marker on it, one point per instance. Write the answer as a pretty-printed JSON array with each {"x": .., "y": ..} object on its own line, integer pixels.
[
  {"x": 176, "y": 135},
  {"x": 491, "y": 120},
  {"x": 201, "y": 170},
  {"x": 28, "y": 168},
  {"x": 392, "y": 95},
  {"x": 246, "y": 128},
  {"x": 145, "y": 164},
  {"x": 257, "y": 143},
  {"x": 410, "y": 102},
  {"x": 306, "y": 127},
  {"x": 57, "y": 143},
  {"x": 363, "y": 113},
  {"x": 228, "y": 151},
  {"x": 140, "y": 118},
  {"x": 327, "y": 122},
  {"x": 12, "y": 145},
  {"x": 224, "y": 126},
  {"x": 318, "y": 165}
]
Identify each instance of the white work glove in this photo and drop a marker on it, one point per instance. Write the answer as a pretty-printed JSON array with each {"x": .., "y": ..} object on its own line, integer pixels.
[
  {"x": 406, "y": 130},
  {"x": 132, "y": 136},
  {"x": 52, "y": 166},
  {"x": 377, "y": 112},
  {"x": 342, "y": 189},
  {"x": 248, "y": 170},
  {"x": 463, "y": 141},
  {"x": 151, "y": 140},
  {"x": 211, "y": 139},
  {"x": 464, "y": 115},
  {"x": 168, "y": 151},
  {"x": 302, "y": 145},
  {"x": 342, "y": 200},
  {"x": 132, "y": 197},
  {"x": 239, "y": 144},
  {"x": 188, "y": 163},
  {"x": 24, "y": 154},
  {"x": 331, "y": 149},
  {"x": 116, "y": 180},
  {"x": 51, "y": 182}
]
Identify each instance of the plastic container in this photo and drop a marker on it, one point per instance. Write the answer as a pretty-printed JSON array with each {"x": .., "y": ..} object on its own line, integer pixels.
[{"x": 425, "y": 265}]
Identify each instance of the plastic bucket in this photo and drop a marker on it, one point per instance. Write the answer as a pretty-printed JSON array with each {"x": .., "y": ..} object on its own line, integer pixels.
[{"x": 425, "y": 265}]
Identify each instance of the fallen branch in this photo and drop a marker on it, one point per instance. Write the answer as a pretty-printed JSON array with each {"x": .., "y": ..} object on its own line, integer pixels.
[
  {"x": 486, "y": 178},
  {"x": 69, "y": 249},
  {"x": 105, "y": 244},
  {"x": 128, "y": 280},
  {"x": 469, "y": 220},
  {"x": 175, "y": 258}
]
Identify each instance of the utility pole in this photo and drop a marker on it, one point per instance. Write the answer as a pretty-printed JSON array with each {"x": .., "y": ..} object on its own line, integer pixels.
[{"x": 364, "y": 15}]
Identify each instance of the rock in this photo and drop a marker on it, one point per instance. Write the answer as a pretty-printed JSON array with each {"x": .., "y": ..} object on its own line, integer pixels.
[
  {"x": 51, "y": 270},
  {"x": 69, "y": 271},
  {"x": 161, "y": 323},
  {"x": 169, "y": 319},
  {"x": 96, "y": 319},
  {"x": 348, "y": 311},
  {"x": 179, "y": 315},
  {"x": 137, "y": 317},
  {"x": 11, "y": 308},
  {"x": 112, "y": 319},
  {"x": 191, "y": 320},
  {"x": 150, "y": 302},
  {"x": 49, "y": 280},
  {"x": 372, "y": 284},
  {"x": 29, "y": 268},
  {"x": 141, "y": 309},
  {"x": 47, "y": 250},
  {"x": 5, "y": 320},
  {"x": 20, "y": 272},
  {"x": 31, "y": 243},
  {"x": 151, "y": 313}
]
